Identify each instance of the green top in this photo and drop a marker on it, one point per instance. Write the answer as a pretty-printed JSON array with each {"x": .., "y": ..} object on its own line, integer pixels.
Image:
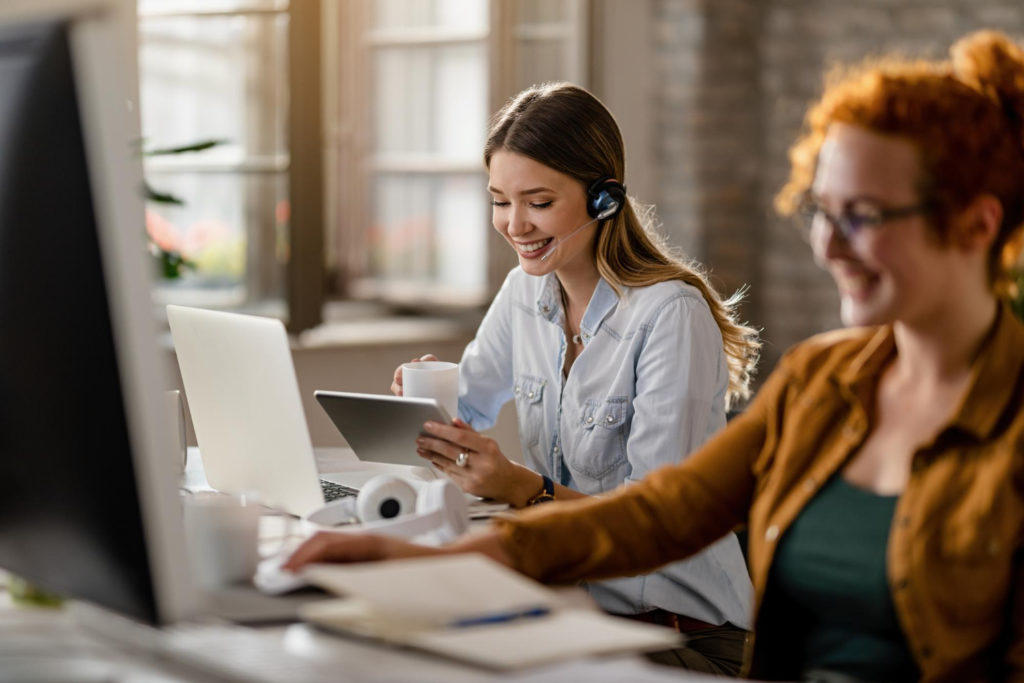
[{"x": 829, "y": 575}]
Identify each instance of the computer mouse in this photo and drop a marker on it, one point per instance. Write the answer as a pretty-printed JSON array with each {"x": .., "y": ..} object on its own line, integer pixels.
[{"x": 271, "y": 579}]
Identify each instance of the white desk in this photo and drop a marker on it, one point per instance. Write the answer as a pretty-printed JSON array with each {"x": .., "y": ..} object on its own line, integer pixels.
[{"x": 45, "y": 644}]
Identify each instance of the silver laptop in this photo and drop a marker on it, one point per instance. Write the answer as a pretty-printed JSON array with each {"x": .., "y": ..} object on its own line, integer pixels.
[{"x": 247, "y": 412}]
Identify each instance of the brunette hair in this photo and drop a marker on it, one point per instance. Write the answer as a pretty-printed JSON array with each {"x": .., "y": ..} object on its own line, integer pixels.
[
  {"x": 965, "y": 116},
  {"x": 569, "y": 130}
]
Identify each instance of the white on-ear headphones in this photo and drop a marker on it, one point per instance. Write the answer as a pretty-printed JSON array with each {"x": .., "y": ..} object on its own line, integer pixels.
[
  {"x": 391, "y": 506},
  {"x": 385, "y": 497}
]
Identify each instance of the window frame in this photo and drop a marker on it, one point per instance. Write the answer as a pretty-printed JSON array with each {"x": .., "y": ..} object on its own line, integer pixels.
[
  {"x": 347, "y": 89},
  {"x": 301, "y": 163}
]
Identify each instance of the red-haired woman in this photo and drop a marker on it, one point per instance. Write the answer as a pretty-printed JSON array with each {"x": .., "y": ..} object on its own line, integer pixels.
[{"x": 881, "y": 468}]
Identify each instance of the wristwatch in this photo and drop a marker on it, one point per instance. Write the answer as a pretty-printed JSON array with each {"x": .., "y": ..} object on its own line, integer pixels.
[{"x": 547, "y": 491}]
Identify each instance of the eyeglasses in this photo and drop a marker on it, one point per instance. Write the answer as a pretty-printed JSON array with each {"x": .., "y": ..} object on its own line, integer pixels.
[{"x": 858, "y": 215}]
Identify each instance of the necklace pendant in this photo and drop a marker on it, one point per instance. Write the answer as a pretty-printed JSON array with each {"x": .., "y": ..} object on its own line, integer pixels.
[{"x": 576, "y": 339}]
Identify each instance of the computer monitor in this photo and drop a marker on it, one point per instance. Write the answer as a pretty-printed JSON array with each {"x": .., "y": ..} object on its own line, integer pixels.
[{"x": 88, "y": 499}]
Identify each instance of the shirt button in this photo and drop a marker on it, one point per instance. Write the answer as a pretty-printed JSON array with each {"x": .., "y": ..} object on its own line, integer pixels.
[
  {"x": 771, "y": 533},
  {"x": 529, "y": 395},
  {"x": 517, "y": 391},
  {"x": 611, "y": 419},
  {"x": 555, "y": 449},
  {"x": 545, "y": 308},
  {"x": 589, "y": 420}
]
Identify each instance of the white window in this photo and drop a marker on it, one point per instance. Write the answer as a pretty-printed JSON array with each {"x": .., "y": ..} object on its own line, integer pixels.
[
  {"x": 403, "y": 105},
  {"x": 217, "y": 70},
  {"x": 416, "y": 82}
]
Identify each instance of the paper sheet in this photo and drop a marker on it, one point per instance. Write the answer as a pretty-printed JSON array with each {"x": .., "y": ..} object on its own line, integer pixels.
[
  {"x": 434, "y": 589},
  {"x": 414, "y": 602},
  {"x": 529, "y": 642}
]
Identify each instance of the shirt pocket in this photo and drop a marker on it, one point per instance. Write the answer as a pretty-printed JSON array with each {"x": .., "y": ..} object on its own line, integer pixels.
[
  {"x": 529, "y": 393},
  {"x": 977, "y": 567},
  {"x": 601, "y": 446}
]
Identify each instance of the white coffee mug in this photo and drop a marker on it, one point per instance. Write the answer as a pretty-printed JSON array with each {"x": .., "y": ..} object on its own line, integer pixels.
[
  {"x": 222, "y": 532},
  {"x": 174, "y": 412},
  {"x": 434, "y": 379}
]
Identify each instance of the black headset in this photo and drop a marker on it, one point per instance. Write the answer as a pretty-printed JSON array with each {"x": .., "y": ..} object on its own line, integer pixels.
[{"x": 605, "y": 198}]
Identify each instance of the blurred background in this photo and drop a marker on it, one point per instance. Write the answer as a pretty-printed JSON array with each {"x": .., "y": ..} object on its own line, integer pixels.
[{"x": 337, "y": 180}]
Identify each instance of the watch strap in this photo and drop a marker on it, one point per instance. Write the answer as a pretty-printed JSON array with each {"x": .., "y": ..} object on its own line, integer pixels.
[{"x": 546, "y": 493}]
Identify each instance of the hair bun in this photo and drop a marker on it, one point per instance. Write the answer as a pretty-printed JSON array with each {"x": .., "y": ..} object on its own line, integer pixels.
[{"x": 991, "y": 63}]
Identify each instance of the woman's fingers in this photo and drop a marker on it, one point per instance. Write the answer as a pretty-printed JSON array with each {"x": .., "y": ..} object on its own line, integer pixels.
[
  {"x": 326, "y": 546},
  {"x": 442, "y": 463},
  {"x": 439, "y": 447},
  {"x": 464, "y": 437},
  {"x": 333, "y": 546},
  {"x": 396, "y": 381}
]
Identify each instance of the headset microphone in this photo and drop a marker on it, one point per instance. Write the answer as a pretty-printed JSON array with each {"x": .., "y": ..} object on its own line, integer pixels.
[
  {"x": 559, "y": 240},
  {"x": 605, "y": 198}
]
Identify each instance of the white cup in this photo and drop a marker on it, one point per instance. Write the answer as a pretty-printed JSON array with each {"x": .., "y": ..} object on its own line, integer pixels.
[
  {"x": 222, "y": 532},
  {"x": 434, "y": 379},
  {"x": 174, "y": 412}
]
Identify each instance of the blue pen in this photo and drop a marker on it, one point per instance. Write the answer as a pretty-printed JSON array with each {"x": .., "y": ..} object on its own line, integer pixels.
[{"x": 500, "y": 617}]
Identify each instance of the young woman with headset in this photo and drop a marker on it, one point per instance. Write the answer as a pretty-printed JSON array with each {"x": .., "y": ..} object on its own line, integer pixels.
[
  {"x": 881, "y": 467},
  {"x": 620, "y": 357}
]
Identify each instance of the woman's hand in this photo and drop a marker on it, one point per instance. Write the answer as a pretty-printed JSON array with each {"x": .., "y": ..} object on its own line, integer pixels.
[
  {"x": 396, "y": 383},
  {"x": 334, "y": 546},
  {"x": 484, "y": 471}
]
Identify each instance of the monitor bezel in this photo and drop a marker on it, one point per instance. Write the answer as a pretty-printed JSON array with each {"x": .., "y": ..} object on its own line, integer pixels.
[{"x": 101, "y": 36}]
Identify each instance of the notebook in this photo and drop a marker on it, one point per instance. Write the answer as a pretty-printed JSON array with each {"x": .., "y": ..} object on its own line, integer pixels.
[{"x": 473, "y": 609}]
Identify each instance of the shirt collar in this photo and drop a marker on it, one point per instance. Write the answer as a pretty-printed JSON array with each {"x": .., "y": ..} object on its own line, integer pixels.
[
  {"x": 549, "y": 302},
  {"x": 989, "y": 387},
  {"x": 993, "y": 376},
  {"x": 602, "y": 301},
  {"x": 601, "y": 304},
  {"x": 858, "y": 380}
]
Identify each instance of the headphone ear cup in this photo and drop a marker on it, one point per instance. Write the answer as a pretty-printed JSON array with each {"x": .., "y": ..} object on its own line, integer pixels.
[
  {"x": 385, "y": 497},
  {"x": 444, "y": 497},
  {"x": 437, "y": 514},
  {"x": 605, "y": 198}
]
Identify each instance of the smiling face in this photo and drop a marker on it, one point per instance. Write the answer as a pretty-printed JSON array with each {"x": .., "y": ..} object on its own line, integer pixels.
[
  {"x": 537, "y": 209},
  {"x": 897, "y": 270}
]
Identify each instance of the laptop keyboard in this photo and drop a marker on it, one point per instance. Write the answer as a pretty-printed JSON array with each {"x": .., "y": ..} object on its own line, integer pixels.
[{"x": 334, "y": 491}]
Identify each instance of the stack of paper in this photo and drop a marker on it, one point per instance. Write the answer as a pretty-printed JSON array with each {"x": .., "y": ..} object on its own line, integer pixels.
[{"x": 470, "y": 608}]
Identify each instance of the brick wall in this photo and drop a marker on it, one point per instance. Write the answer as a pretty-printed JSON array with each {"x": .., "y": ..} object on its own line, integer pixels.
[{"x": 734, "y": 80}]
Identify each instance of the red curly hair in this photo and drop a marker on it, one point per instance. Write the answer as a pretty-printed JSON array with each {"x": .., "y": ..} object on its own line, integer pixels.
[{"x": 965, "y": 116}]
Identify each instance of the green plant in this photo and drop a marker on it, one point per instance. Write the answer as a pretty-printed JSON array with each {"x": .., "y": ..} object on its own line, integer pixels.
[{"x": 171, "y": 262}]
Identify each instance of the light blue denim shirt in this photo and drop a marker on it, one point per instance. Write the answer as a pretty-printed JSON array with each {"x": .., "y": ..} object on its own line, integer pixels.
[{"x": 646, "y": 390}]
